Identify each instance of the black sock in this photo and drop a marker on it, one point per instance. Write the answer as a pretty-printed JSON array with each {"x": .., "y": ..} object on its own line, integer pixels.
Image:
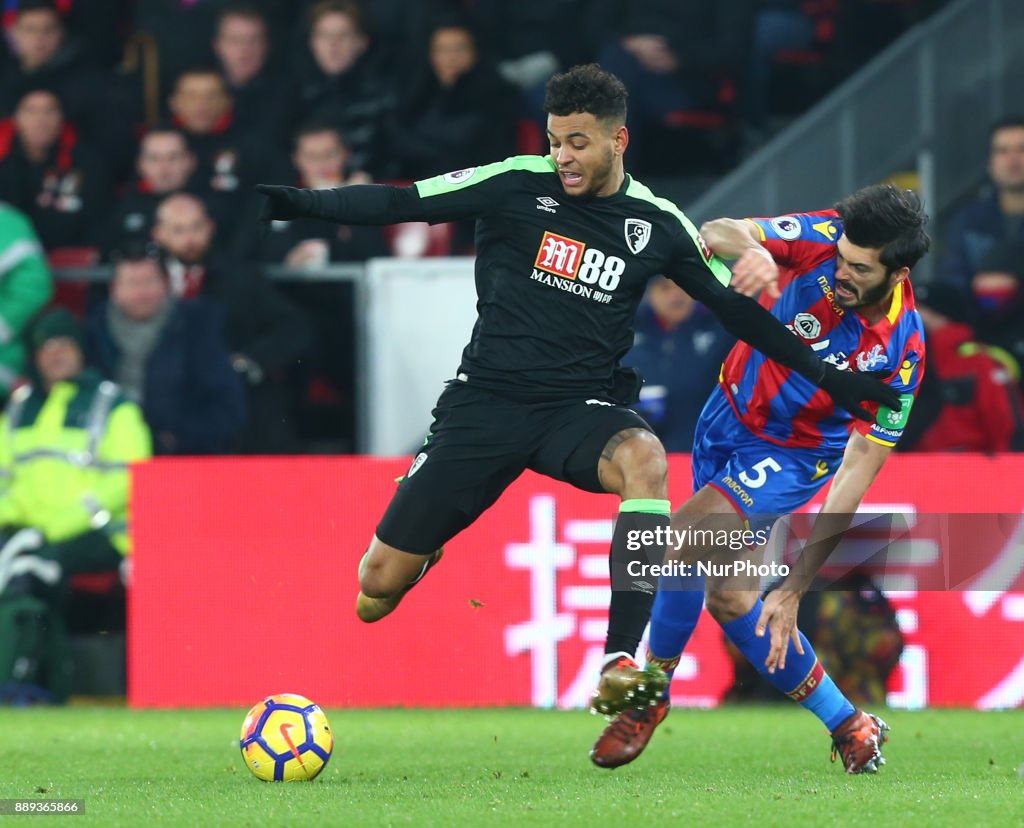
[{"x": 639, "y": 539}]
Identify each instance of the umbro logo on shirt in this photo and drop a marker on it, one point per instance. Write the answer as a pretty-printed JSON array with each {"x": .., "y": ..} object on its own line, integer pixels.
[{"x": 547, "y": 204}]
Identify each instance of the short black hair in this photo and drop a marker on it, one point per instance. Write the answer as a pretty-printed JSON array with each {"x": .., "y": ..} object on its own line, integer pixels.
[
  {"x": 889, "y": 219},
  {"x": 1006, "y": 122},
  {"x": 39, "y": 5},
  {"x": 165, "y": 128},
  {"x": 201, "y": 70},
  {"x": 315, "y": 126},
  {"x": 240, "y": 8},
  {"x": 349, "y": 8},
  {"x": 587, "y": 88},
  {"x": 46, "y": 89}
]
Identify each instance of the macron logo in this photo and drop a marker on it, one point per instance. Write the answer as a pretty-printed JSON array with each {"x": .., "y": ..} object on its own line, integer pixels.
[{"x": 547, "y": 204}]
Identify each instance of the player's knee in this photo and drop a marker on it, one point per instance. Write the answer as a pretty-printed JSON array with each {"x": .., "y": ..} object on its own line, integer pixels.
[
  {"x": 727, "y": 605},
  {"x": 374, "y": 581},
  {"x": 644, "y": 463}
]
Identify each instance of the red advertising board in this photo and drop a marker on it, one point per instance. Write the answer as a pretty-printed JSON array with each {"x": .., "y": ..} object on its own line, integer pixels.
[{"x": 244, "y": 582}]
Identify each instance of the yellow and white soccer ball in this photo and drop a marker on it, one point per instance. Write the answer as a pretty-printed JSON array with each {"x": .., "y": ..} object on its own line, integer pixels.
[{"x": 286, "y": 738}]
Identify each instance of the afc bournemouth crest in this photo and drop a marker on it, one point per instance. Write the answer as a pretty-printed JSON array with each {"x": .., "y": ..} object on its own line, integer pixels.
[{"x": 638, "y": 233}]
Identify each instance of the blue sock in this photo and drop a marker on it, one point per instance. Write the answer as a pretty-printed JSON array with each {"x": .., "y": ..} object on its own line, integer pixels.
[
  {"x": 804, "y": 679},
  {"x": 676, "y": 611}
]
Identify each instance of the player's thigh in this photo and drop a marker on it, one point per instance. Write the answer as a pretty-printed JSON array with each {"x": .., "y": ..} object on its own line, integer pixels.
[
  {"x": 474, "y": 451},
  {"x": 715, "y": 539},
  {"x": 701, "y": 524},
  {"x": 713, "y": 437},
  {"x": 574, "y": 439},
  {"x": 763, "y": 482}
]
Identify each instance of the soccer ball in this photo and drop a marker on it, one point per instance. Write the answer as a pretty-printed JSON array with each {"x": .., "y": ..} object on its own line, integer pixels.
[{"x": 286, "y": 738}]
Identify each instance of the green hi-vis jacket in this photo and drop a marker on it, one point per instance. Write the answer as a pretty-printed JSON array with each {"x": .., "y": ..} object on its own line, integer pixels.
[
  {"x": 64, "y": 458},
  {"x": 25, "y": 287}
]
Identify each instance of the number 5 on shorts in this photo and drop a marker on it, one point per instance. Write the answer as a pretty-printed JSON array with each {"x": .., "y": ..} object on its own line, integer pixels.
[{"x": 761, "y": 468}]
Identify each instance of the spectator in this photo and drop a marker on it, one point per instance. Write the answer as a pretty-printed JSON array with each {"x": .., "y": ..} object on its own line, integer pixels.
[
  {"x": 996, "y": 216},
  {"x": 673, "y": 330},
  {"x": 321, "y": 162},
  {"x": 165, "y": 164},
  {"x": 227, "y": 157},
  {"x": 60, "y": 182},
  {"x": 262, "y": 99},
  {"x": 397, "y": 25},
  {"x": 65, "y": 444},
  {"x": 266, "y": 334},
  {"x": 526, "y": 39},
  {"x": 168, "y": 354},
  {"x": 47, "y": 58},
  {"x": 999, "y": 299},
  {"x": 969, "y": 399},
  {"x": 25, "y": 287},
  {"x": 343, "y": 79},
  {"x": 99, "y": 25},
  {"x": 459, "y": 112},
  {"x": 673, "y": 58}
]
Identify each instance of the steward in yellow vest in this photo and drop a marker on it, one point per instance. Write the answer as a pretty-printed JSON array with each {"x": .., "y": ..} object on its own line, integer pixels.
[{"x": 66, "y": 442}]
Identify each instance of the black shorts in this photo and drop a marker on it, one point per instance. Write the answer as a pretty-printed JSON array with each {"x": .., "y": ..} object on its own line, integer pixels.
[{"x": 479, "y": 444}]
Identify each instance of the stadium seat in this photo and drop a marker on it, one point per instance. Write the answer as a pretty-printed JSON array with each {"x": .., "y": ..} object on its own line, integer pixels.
[
  {"x": 530, "y": 138},
  {"x": 72, "y": 293},
  {"x": 96, "y": 621}
]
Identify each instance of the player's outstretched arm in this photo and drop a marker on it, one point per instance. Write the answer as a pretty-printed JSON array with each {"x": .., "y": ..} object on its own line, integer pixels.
[
  {"x": 862, "y": 461},
  {"x": 355, "y": 204},
  {"x": 461, "y": 194},
  {"x": 747, "y": 320}
]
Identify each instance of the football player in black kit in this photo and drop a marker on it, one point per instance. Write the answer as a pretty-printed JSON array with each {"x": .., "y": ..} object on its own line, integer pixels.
[{"x": 565, "y": 246}]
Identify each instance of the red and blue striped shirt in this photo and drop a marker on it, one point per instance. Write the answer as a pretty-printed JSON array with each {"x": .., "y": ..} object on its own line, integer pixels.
[{"x": 781, "y": 406}]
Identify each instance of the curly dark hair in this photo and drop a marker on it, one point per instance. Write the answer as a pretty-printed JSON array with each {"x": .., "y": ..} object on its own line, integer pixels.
[
  {"x": 889, "y": 219},
  {"x": 587, "y": 88}
]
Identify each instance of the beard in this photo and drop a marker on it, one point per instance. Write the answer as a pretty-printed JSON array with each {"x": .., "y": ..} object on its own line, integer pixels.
[{"x": 868, "y": 296}]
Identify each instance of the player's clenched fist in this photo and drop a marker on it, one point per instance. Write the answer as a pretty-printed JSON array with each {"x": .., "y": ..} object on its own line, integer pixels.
[
  {"x": 282, "y": 203},
  {"x": 755, "y": 271}
]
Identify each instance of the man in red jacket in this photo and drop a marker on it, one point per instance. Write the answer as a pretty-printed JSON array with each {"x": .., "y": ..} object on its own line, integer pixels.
[{"x": 970, "y": 400}]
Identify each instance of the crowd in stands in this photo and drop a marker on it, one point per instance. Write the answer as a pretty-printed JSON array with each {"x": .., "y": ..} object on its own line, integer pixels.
[{"x": 132, "y": 133}]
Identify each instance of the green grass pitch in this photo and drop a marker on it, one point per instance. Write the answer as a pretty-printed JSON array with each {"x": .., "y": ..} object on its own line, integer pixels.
[{"x": 760, "y": 766}]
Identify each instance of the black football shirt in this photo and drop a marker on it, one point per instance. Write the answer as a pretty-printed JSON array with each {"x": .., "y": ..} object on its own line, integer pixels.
[{"x": 558, "y": 277}]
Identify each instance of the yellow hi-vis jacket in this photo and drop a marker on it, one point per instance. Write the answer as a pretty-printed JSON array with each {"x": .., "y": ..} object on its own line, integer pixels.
[{"x": 64, "y": 459}]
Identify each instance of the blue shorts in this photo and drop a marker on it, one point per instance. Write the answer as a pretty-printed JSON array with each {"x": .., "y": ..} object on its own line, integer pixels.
[{"x": 763, "y": 480}]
